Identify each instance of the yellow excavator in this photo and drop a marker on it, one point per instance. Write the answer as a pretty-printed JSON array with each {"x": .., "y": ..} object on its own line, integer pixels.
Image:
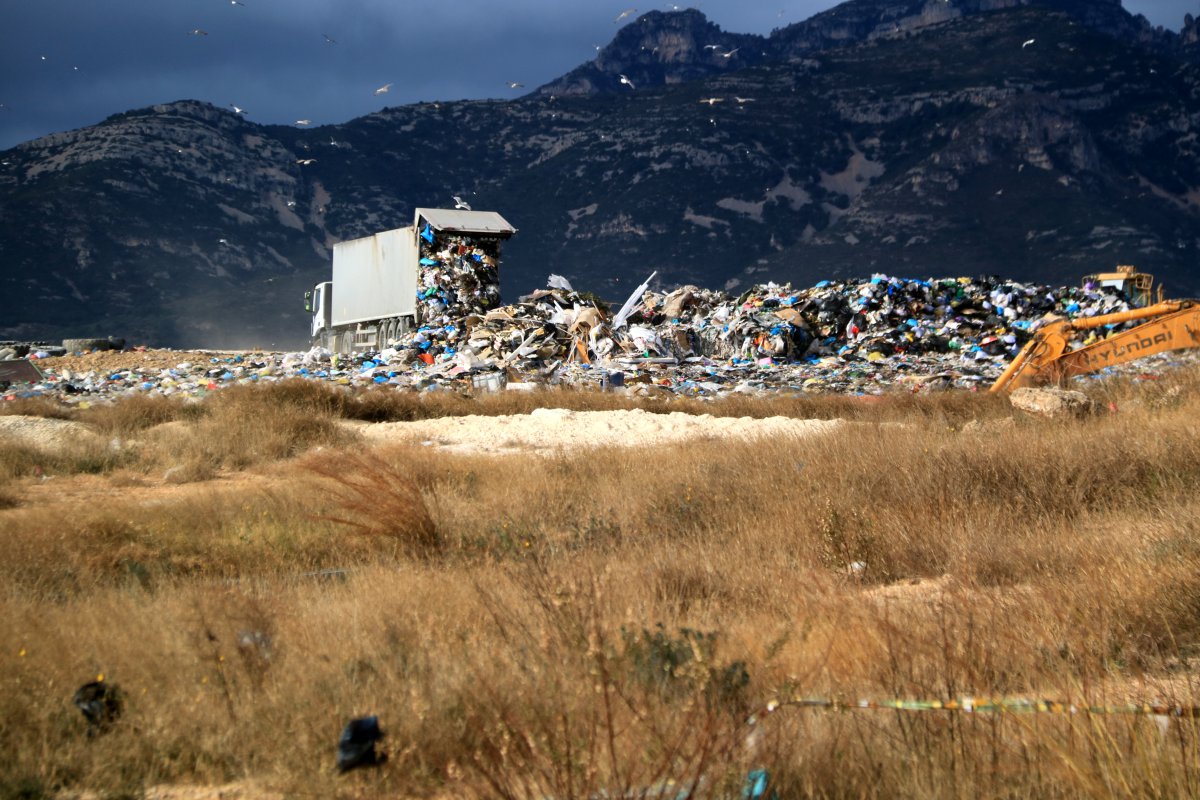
[{"x": 1050, "y": 358}]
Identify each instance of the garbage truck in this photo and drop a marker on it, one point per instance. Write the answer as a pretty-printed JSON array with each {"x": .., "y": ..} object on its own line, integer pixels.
[{"x": 445, "y": 264}]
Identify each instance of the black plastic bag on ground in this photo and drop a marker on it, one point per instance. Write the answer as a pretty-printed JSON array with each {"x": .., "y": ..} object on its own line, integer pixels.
[
  {"x": 356, "y": 748},
  {"x": 100, "y": 703}
]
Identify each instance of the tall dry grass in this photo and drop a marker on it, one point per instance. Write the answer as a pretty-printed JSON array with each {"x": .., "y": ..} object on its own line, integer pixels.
[{"x": 608, "y": 623}]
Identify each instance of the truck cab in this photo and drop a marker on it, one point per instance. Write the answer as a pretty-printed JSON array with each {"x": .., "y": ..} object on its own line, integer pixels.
[{"x": 319, "y": 303}]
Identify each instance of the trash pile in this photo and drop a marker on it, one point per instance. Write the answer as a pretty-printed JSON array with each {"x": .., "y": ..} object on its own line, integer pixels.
[
  {"x": 457, "y": 276},
  {"x": 865, "y": 337}
]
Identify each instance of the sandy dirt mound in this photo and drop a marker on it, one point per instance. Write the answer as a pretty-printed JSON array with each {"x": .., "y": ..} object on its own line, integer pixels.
[
  {"x": 45, "y": 433},
  {"x": 549, "y": 430}
]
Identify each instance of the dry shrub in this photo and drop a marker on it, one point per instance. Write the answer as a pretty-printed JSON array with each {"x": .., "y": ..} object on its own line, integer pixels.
[
  {"x": 131, "y": 415},
  {"x": 245, "y": 426},
  {"x": 87, "y": 456},
  {"x": 314, "y": 397},
  {"x": 47, "y": 407},
  {"x": 379, "y": 499},
  {"x": 569, "y": 704},
  {"x": 198, "y": 533},
  {"x": 18, "y": 459},
  {"x": 9, "y": 497}
]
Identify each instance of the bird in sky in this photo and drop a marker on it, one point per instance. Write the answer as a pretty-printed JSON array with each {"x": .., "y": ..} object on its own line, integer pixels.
[
  {"x": 3, "y": 107},
  {"x": 329, "y": 39},
  {"x": 223, "y": 241},
  {"x": 1027, "y": 42},
  {"x": 712, "y": 47},
  {"x": 236, "y": 3},
  {"x": 627, "y": 82},
  {"x": 304, "y": 122},
  {"x": 625, "y": 14},
  {"x": 460, "y": 203},
  {"x": 712, "y": 100},
  {"x": 741, "y": 100},
  {"x": 198, "y": 32},
  {"x": 730, "y": 53},
  {"x": 515, "y": 85},
  {"x": 383, "y": 89},
  {"x": 334, "y": 142},
  {"x": 306, "y": 161},
  {"x": 237, "y": 110}
]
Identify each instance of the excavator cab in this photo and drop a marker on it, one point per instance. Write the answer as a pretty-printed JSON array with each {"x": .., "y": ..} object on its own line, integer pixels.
[{"x": 1138, "y": 286}]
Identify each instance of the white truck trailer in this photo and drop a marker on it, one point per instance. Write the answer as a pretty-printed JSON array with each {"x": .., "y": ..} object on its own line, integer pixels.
[{"x": 379, "y": 281}]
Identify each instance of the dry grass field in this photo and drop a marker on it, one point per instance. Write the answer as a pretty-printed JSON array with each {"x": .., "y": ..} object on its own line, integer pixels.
[{"x": 608, "y": 623}]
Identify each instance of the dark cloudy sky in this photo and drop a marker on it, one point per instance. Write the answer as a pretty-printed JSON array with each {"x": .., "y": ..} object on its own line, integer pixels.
[{"x": 69, "y": 63}]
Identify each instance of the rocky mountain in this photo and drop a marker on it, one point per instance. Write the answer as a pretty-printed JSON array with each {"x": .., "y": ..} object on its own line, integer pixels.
[{"x": 900, "y": 136}]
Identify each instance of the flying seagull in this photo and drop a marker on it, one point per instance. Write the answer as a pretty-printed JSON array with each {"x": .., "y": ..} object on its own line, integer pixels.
[
  {"x": 329, "y": 39},
  {"x": 236, "y": 3},
  {"x": 383, "y": 89},
  {"x": 304, "y": 122},
  {"x": 625, "y": 14},
  {"x": 237, "y": 110},
  {"x": 306, "y": 161},
  {"x": 1027, "y": 42},
  {"x": 515, "y": 85},
  {"x": 711, "y": 100},
  {"x": 731, "y": 52},
  {"x": 627, "y": 82},
  {"x": 741, "y": 100},
  {"x": 198, "y": 32},
  {"x": 460, "y": 203},
  {"x": 712, "y": 47}
]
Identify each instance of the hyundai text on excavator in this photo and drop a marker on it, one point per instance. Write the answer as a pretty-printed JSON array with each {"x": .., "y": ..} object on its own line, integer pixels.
[{"x": 1049, "y": 357}]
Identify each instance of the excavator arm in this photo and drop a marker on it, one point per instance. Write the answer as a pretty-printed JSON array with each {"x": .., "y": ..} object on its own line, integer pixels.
[{"x": 1049, "y": 358}]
